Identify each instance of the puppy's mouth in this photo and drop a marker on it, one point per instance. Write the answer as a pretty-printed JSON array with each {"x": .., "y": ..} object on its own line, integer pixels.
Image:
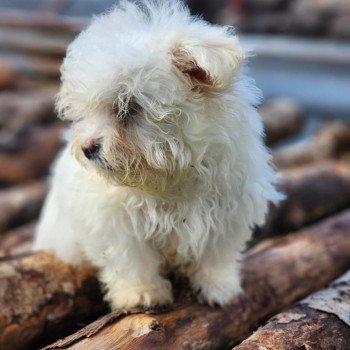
[
  {"x": 102, "y": 163},
  {"x": 125, "y": 170},
  {"x": 135, "y": 173}
]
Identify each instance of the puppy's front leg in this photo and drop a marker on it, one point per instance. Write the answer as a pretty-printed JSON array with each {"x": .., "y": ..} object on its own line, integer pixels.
[
  {"x": 217, "y": 277},
  {"x": 130, "y": 272}
]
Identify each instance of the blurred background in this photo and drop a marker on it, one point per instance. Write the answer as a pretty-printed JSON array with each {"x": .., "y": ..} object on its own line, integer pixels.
[{"x": 300, "y": 59}]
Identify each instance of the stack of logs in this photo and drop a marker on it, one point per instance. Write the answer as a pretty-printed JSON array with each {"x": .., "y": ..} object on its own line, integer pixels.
[
  {"x": 330, "y": 18},
  {"x": 290, "y": 271}
]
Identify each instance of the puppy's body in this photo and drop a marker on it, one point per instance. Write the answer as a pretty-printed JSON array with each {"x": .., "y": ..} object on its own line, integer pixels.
[{"x": 180, "y": 174}]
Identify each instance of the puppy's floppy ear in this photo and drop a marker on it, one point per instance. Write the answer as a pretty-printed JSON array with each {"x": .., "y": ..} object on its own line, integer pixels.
[{"x": 208, "y": 64}]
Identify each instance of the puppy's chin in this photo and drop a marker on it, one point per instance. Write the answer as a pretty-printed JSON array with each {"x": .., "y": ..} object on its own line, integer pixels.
[
  {"x": 135, "y": 174},
  {"x": 127, "y": 174},
  {"x": 142, "y": 177}
]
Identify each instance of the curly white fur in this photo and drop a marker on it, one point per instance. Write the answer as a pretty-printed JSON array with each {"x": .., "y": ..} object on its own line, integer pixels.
[{"x": 182, "y": 175}]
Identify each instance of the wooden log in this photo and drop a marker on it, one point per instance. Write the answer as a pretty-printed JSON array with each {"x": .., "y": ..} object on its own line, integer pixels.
[
  {"x": 41, "y": 21},
  {"x": 53, "y": 6},
  {"x": 39, "y": 295},
  {"x": 30, "y": 84},
  {"x": 34, "y": 65},
  {"x": 7, "y": 75},
  {"x": 29, "y": 41},
  {"x": 331, "y": 140},
  {"x": 21, "y": 204},
  {"x": 340, "y": 27},
  {"x": 313, "y": 192},
  {"x": 264, "y": 5},
  {"x": 322, "y": 8},
  {"x": 21, "y": 109},
  {"x": 40, "y": 146},
  {"x": 321, "y": 321},
  {"x": 282, "y": 118},
  {"x": 18, "y": 240},
  {"x": 276, "y": 273},
  {"x": 282, "y": 22}
]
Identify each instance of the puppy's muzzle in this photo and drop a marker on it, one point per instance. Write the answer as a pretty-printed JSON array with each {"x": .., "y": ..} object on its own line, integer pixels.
[{"x": 91, "y": 149}]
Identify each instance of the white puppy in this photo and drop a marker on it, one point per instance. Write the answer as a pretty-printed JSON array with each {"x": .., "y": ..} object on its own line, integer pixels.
[{"x": 165, "y": 166}]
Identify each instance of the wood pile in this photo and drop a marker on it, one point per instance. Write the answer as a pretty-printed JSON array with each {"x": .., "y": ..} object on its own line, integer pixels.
[
  {"x": 34, "y": 43},
  {"x": 289, "y": 272},
  {"x": 330, "y": 18}
]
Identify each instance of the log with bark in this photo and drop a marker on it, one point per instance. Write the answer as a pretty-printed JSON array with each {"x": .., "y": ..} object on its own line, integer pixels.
[
  {"x": 313, "y": 192},
  {"x": 40, "y": 146},
  {"x": 330, "y": 141},
  {"x": 340, "y": 27},
  {"x": 22, "y": 109},
  {"x": 18, "y": 240},
  {"x": 282, "y": 118},
  {"x": 321, "y": 321},
  {"x": 40, "y": 21},
  {"x": 21, "y": 204},
  {"x": 322, "y": 8},
  {"x": 33, "y": 65},
  {"x": 7, "y": 75},
  {"x": 39, "y": 295},
  {"x": 32, "y": 84},
  {"x": 29, "y": 41},
  {"x": 258, "y": 6},
  {"x": 275, "y": 274}
]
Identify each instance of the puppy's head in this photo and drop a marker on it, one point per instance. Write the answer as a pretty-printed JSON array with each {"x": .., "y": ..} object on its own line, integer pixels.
[{"x": 139, "y": 85}]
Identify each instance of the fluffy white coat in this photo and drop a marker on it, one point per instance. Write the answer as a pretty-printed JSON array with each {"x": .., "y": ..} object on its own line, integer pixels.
[{"x": 182, "y": 175}]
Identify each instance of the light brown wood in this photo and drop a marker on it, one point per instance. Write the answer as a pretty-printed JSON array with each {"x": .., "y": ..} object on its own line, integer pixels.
[
  {"x": 39, "y": 148},
  {"x": 18, "y": 240},
  {"x": 312, "y": 193},
  {"x": 21, "y": 204},
  {"x": 319, "y": 322},
  {"x": 40, "y": 295},
  {"x": 24, "y": 108},
  {"x": 331, "y": 140},
  {"x": 7, "y": 75},
  {"x": 29, "y": 41},
  {"x": 282, "y": 118},
  {"x": 40, "y": 21},
  {"x": 275, "y": 274},
  {"x": 33, "y": 64}
]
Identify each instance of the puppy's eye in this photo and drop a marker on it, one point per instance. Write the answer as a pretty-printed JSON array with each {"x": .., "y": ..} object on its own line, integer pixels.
[
  {"x": 133, "y": 108},
  {"x": 130, "y": 110}
]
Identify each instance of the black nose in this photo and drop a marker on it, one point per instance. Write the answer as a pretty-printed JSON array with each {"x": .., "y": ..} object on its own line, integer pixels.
[{"x": 91, "y": 150}]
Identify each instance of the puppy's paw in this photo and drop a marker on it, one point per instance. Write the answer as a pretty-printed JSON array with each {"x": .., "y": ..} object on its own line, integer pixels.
[
  {"x": 215, "y": 289},
  {"x": 126, "y": 295}
]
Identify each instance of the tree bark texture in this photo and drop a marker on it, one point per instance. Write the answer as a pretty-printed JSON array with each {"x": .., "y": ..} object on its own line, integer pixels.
[
  {"x": 313, "y": 192},
  {"x": 275, "y": 274},
  {"x": 319, "y": 322},
  {"x": 331, "y": 140},
  {"x": 21, "y": 204},
  {"x": 42, "y": 296}
]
